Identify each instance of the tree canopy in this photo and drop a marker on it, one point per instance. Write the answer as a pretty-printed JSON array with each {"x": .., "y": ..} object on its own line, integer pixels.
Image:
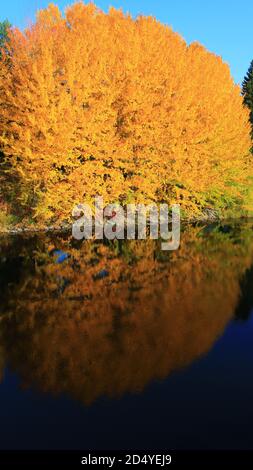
[{"x": 98, "y": 103}]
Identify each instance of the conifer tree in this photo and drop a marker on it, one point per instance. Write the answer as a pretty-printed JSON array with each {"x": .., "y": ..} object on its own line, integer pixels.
[
  {"x": 4, "y": 27},
  {"x": 247, "y": 90}
]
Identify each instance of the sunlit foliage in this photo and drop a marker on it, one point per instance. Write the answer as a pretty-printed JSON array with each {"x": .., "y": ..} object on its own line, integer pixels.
[{"x": 96, "y": 103}]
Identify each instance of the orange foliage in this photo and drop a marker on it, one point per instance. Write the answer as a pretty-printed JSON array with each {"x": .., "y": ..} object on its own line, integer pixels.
[{"x": 94, "y": 103}]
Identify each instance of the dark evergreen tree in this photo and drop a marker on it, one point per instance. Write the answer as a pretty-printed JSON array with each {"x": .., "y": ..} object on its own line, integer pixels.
[{"x": 247, "y": 91}]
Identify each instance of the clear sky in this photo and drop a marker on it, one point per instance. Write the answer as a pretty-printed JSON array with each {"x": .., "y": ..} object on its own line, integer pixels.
[{"x": 223, "y": 26}]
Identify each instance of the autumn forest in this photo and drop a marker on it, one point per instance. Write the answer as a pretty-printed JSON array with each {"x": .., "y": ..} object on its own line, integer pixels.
[{"x": 104, "y": 104}]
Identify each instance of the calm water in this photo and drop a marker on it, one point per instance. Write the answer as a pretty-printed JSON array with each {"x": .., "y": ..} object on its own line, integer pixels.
[{"x": 122, "y": 346}]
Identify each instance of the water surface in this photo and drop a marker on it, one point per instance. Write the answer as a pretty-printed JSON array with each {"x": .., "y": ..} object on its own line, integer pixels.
[{"x": 118, "y": 345}]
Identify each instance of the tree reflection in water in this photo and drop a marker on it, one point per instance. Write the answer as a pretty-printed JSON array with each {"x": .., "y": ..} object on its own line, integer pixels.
[{"x": 114, "y": 316}]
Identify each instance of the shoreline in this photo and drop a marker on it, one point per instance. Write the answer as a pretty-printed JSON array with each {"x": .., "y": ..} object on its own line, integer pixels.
[{"x": 68, "y": 227}]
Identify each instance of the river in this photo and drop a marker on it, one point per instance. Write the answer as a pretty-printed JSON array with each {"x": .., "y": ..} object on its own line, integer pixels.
[{"x": 119, "y": 345}]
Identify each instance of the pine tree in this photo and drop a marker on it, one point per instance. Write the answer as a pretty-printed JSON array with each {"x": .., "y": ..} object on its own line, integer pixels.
[{"x": 247, "y": 91}]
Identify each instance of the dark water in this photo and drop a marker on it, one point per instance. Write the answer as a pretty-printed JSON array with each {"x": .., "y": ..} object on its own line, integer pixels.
[{"x": 122, "y": 346}]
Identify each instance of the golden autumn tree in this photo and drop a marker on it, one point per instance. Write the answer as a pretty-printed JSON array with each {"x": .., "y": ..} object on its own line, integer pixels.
[{"x": 95, "y": 103}]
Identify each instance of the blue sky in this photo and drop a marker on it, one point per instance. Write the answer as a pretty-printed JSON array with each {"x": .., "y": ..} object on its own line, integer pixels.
[{"x": 223, "y": 26}]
